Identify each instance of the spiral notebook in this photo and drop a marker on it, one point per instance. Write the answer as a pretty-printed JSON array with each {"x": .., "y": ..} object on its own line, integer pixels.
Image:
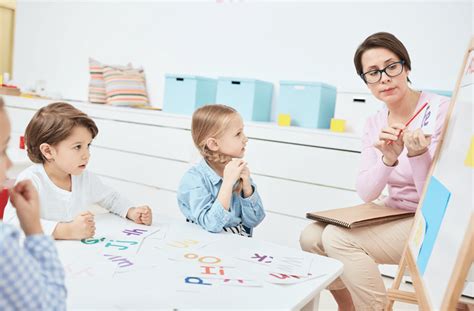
[{"x": 359, "y": 215}]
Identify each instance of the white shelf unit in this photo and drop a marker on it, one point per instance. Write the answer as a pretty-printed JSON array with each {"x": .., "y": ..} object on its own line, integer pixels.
[{"x": 145, "y": 153}]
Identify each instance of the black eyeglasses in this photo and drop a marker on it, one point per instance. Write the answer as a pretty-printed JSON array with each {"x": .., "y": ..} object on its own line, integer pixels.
[{"x": 392, "y": 70}]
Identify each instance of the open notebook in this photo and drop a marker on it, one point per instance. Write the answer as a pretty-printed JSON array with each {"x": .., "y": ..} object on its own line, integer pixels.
[{"x": 359, "y": 215}]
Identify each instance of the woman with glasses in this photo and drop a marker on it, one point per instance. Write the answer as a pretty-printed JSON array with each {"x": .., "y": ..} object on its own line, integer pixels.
[{"x": 393, "y": 155}]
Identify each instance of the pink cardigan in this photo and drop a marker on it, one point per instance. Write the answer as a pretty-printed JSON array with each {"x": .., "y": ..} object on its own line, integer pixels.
[{"x": 406, "y": 180}]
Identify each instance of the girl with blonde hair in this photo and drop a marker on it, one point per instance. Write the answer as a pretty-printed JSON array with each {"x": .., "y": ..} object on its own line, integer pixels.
[{"x": 218, "y": 193}]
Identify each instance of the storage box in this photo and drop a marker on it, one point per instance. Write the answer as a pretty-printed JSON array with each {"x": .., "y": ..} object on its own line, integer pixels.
[
  {"x": 185, "y": 93},
  {"x": 251, "y": 98},
  {"x": 310, "y": 104},
  {"x": 440, "y": 92}
]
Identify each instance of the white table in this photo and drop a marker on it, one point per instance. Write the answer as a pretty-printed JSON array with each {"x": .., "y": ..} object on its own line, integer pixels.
[{"x": 156, "y": 282}]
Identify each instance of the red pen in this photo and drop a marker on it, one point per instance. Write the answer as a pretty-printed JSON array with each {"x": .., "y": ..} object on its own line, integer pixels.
[{"x": 409, "y": 121}]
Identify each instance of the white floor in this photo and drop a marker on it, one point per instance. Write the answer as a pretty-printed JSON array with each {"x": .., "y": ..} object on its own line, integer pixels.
[{"x": 326, "y": 301}]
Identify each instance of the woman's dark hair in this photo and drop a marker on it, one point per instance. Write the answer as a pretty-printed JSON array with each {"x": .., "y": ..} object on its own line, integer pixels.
[{"x": 381, "y": 40}]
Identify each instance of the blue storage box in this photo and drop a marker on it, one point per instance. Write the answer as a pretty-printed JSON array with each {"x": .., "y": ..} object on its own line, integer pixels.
[
  {"x": 251, "y": 98},
  {"x": 309, "y": 104},
  {"x": 441, "y": 92},
  {"x": 184, "y": 93}
]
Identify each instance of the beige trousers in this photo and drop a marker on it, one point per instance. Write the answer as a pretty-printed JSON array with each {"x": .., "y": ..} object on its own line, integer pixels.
[{"x": 360, "y": 250}]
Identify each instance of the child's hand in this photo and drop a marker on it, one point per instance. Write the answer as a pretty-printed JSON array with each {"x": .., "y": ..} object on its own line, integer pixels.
[
  {"x": 82, "y": 227},
  {"x": 24, "y": 198},
  {"x": 416, "y": 142},
  {"x": 146, "y": 216},
  {"x": 140, "y": 215},
  {"x": 246, "y": 184},
  {"x": 245, "y": 174},
  {"x": 233, "y": 170}
]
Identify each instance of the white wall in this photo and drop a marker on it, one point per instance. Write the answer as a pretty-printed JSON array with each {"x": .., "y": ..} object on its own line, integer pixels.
[{"x": 312, "y": 41}]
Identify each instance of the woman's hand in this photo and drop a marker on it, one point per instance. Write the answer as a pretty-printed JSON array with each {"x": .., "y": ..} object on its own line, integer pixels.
[
  {"x": 416, "y": 142},
  {"x": 390, "y": 143}
]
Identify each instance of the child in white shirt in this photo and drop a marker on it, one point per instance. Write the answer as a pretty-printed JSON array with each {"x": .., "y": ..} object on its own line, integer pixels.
[{"x": 58, "y": 139}]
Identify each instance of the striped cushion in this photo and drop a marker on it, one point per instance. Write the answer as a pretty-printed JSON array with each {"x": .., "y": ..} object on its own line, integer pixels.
[
  {"x": 97, "y": 83},
  {"x": 125, "y": 86}
]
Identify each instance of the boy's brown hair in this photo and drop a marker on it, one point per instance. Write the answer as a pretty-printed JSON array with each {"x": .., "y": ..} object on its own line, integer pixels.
[
  {"x": 53, "y": 124},
  {"x": 1, "y": 103}
]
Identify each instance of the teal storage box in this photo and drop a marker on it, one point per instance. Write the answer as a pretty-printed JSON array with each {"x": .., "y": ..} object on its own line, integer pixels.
[
  {"x": 184, "y": 93},
  {"x": 441, "y": 92},
  {"x": 251, "y": 98},
  {"x": 309, "y": 104}
]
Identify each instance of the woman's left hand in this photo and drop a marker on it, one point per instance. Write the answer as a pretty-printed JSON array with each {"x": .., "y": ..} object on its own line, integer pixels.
[{"x": 416, "y": 142}]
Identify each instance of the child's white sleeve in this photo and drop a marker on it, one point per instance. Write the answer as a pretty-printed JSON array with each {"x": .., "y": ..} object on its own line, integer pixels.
[
  {"x": 10, "y": 212},
  {"x": 48, "y": 226},
  {"x": 107, "y": 197}
]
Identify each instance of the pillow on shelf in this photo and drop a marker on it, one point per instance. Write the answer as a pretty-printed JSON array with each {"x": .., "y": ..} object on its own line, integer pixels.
[
  {"x": 125, "y": 86},
  {"x": 97, "y": 83}
]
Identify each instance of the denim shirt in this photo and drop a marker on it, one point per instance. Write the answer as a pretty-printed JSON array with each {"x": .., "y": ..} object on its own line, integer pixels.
[{"x": 197, "y": 199}]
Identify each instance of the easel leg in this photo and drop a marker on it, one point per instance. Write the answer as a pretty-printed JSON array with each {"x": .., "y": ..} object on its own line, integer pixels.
[
  {"x": 463, "y": 264},
  {"x": 392, "y": 292}
]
